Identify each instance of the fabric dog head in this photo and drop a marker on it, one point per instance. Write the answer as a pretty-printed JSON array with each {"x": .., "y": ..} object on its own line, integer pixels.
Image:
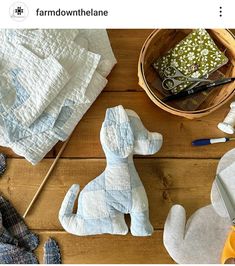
[{"x": 123, "y": 133}]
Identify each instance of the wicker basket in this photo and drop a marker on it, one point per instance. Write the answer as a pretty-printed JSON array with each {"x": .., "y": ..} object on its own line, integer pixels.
[{"x": 162, "y": 40}]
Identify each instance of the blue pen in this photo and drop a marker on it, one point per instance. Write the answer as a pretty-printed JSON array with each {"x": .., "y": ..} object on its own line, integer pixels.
[{"x": 203, "y": 142}]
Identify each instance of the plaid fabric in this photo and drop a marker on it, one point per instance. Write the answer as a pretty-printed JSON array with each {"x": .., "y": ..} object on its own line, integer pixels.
[
  {"x": 11, "y": 254},
  {"x": 51, "y": 252},
  {"x": 15, "y": 225},
  {"x": 16, "y": 241},
  {"x": 3, "y": 163},
  {"x": 5, "y": 237}
]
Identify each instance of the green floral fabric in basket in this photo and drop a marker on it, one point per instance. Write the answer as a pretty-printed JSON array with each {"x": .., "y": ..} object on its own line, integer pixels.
[{"x": 195, "y": 56}]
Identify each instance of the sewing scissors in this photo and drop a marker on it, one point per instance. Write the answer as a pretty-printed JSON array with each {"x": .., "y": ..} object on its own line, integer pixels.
[
  {"x": 174, "y": 77},
  {"x": 229, "y": 246}
]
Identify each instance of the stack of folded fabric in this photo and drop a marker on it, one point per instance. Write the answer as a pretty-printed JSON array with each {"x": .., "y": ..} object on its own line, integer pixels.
[{"x": 49, "y": 78}]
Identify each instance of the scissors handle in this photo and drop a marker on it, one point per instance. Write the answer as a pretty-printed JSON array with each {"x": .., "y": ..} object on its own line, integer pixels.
[
  {"x": 170, "y": 83},
  {"x": 229, "y": 247}
]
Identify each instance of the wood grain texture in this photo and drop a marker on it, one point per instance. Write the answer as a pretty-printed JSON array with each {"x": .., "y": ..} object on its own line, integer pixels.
[
  {"x": 167, "y": 182},
  {"x": 178, "y": 132},
  {"x": 126, "y": 45},
  {"x": 107, "y": 248}
]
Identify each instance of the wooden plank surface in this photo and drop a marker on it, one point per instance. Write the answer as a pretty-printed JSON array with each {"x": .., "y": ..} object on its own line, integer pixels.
[
  {"x": 167, "y": 182},
  {"x": 126, "y": 45},
  {"x": 108, "y": 248}
]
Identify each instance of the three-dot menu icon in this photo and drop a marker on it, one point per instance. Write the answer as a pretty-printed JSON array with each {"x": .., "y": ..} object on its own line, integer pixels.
[{"x": 220, "y": 11}]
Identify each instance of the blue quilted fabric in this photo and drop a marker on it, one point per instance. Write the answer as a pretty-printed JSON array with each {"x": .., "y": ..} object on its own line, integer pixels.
[
  {"x": 118, "y": 190},
  {"x": 13, "y": 128}
]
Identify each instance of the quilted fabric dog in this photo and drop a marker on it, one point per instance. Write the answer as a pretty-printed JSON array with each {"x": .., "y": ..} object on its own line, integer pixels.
[{"x": 118, "y": 190}]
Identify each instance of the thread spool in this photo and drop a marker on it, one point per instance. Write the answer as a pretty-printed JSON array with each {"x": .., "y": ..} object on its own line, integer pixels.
[{"x": 228, "y": 124}]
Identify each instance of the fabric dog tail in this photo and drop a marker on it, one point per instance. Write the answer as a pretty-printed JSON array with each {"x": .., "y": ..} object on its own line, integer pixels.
[
  {"x": 70, "y": 221},
  {"x": 174, "y": 231}
]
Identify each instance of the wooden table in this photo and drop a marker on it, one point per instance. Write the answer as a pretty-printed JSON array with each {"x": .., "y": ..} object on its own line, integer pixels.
[{"x": 179, "y": 173}]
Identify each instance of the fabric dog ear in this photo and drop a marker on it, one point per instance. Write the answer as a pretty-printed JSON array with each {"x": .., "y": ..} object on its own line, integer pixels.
[{"x": 116, "y": 132}]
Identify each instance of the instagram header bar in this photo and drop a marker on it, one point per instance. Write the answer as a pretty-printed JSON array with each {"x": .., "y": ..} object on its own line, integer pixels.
[{"x": 118, "y": 14}]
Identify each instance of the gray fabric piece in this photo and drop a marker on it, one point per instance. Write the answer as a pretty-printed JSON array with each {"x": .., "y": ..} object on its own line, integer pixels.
[
  {"x": 201, "y": 238},
  {"x": 11, "y": 254},
  {"x": 51, "y": 252},
  {"x": 17, "y": 242},
  {"x": 3, "y": 163}
]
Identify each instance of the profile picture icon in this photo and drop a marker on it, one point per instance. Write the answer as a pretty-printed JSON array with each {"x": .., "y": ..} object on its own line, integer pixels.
[{"x": 18, "y": 11}]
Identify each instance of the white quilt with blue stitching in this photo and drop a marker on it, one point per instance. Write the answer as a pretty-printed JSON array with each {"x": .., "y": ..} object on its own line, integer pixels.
[{"x": 49, "y": 79}]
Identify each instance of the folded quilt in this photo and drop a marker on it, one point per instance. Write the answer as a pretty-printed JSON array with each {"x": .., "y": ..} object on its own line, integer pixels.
[
  {"x": 76, "y": 62},
  {"x": 35, "y": 147},
  {"x": 97, "y": 41},
  {"x": 27, "y": 86},
  {"x": 79, "y": 63}
]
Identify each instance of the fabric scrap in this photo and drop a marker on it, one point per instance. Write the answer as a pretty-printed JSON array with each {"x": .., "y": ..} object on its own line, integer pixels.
[
  {"x": 51, "y": 252},
  {"x": 17, "y": 242},
  {"x": 3, "y": 163},
  {"x": 16, "y": 226}
]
